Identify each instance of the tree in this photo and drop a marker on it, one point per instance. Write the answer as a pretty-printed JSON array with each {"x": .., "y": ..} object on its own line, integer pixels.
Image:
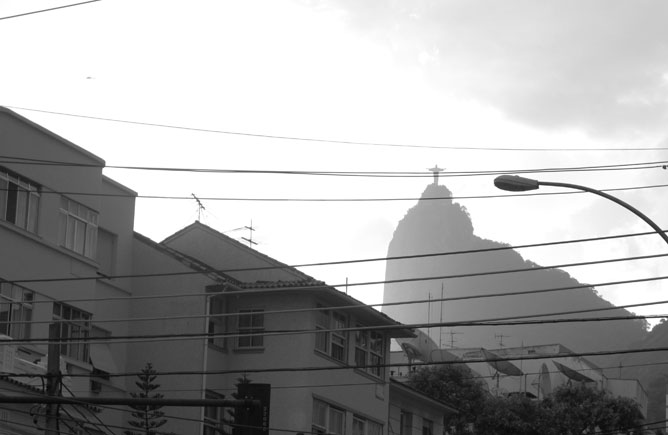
[
  {"x": 148, "y": 418},
  {"x": 454, "y": 384},
  {"x": 581, "y": 409},
  {"x": 570, "y": 410}
]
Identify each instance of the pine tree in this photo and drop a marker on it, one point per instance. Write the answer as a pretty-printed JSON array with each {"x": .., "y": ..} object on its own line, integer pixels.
[{"x": 148, "y": 418}]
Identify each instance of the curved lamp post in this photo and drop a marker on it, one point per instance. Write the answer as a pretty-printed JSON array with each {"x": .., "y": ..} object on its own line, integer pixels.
[{"x": 514, "y": 183}]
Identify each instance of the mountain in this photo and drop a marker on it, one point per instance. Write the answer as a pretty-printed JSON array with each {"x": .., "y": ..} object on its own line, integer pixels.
[{"x": 442, "y": 226}]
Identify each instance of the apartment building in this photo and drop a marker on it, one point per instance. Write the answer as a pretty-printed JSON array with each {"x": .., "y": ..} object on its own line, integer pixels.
[
  {"x": 63, "y": 227},
  {"x": 202, "y": 308}
]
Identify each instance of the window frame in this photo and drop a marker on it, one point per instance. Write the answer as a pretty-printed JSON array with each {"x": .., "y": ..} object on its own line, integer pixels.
[
  {"x": 325, "y": 427},
  {"x": 19, "y": 302},
  {"x": 366, "y": 425},
  {"x": 369, "y": 357},
  {"x": 73, "y": 323},
  {"x": 217, "y": 324},
  {"x": 405, "y": 423},
  {"x": 78, "y": 227},
  {"x": 251, "y": 335},
  {"x": 328, "y": 340},
  {"x": 21, "y": 197}
]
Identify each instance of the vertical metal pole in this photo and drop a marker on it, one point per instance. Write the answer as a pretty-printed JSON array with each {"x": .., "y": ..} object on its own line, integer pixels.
[{"x": 53, "y": 379}]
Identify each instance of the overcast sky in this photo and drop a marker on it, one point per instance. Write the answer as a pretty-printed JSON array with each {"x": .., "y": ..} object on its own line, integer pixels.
[{"x": 549, "y": 78}]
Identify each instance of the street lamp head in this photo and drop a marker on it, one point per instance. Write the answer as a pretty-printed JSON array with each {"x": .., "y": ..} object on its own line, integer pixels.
[{"x": 515, "y": 183}]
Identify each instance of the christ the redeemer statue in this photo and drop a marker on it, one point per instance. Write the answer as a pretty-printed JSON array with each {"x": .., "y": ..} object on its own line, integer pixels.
[{"x": 436, "y": 171}]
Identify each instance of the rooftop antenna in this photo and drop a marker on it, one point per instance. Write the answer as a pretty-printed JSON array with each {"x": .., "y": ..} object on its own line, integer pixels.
[
  {"x": 249, "y": 239},
  {"x": 200, "y": 207},
  {"x": 452, "y": 334},
  {"x": 500, "y": 337}
]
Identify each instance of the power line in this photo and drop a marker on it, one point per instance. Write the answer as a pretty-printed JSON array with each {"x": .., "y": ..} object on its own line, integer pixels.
[
  {"x": 47, "y": 10},
  {"x": 499, "y": 321},
  {"x": 358, "y": 306},
  {"x": 402, "y": 174},
  {"x": 227, "y": 271},
  {"x": 325, "y": 140}
]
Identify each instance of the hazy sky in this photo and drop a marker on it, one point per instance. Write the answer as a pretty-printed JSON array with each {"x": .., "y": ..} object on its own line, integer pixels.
[{"x": 436, "y": 75}]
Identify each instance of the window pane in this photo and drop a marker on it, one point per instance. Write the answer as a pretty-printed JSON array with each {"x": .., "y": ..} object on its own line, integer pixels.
[
  {"x": 374, "y": 428},
  {"x": 321, "y": 341},
  {"x": 33, "y": 210},
  {"x": 358, "y": 426},
  {"x": 21, "y": 208},
  {"x": 319, "y": 413},
  {"x": 3, "y": 197},
  {"x": 360, "y": 357},
  {"x": 336, "y": 421}
]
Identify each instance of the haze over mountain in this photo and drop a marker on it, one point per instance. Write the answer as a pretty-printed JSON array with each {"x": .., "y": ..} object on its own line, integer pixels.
[{"x": 440, "y": 226}]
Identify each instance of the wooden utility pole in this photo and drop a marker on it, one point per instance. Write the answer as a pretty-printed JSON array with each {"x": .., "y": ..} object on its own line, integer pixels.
[{"x": 53, "y": 379}]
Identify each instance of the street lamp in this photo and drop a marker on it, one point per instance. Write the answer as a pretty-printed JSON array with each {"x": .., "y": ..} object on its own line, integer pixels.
[{"x": 514, "y": 183}]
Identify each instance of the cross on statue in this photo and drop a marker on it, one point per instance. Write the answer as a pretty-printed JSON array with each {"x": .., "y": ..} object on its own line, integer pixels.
[{"x": 436, "y": 171}]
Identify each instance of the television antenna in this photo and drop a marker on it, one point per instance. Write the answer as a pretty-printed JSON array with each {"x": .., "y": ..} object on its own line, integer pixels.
[
  {"x": 200, "y": 207},
  {"x": 249, "y": 239}
]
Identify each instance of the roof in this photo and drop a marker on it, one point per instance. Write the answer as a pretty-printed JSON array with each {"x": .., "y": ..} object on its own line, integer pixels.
[
  {"x": 332, "y": 296},
  {"x": 188, "y": 261},
  {"x": 88, "y": 154},
  {"x": 236, "y": 243},
  {"x": 419, "y": 395}
]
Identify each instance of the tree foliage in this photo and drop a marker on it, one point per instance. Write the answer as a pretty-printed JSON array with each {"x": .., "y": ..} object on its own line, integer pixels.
[
  {"x": 147, "y": 418},
  {"x": 570, "y": 410},
  {"x": 454, "y": 384}
]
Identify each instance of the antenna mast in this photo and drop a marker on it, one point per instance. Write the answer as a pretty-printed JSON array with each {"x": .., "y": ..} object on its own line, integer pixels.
[
  {"x": 249, "y": 239},
  {"x": 200, "y": 207}
]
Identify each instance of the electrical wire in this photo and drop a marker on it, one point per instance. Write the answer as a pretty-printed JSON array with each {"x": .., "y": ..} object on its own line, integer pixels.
[
  {"x": 283, "y": 266},
  {"x": 47, "y": 10},
  {"x": 391, "y": 174},
  {"x": 342, "y": 366},
  {"x": 401, "y": 303},
  {"x": 324, "y": 140},
  {"x": 351, "y": 200}
]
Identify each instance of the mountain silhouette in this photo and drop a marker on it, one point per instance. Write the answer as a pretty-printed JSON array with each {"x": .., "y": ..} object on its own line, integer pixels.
[{"x": 437, "y": 225}]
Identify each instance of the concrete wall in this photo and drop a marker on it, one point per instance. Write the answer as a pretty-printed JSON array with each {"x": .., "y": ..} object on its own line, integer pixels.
[{"x": 27, "y": 255}]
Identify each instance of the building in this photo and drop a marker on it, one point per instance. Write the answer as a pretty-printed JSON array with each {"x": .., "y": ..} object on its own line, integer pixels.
[
  {"x": 413, "y": 413},
  {"x": 205, "y": 310},
  {"x": 533, "y": 371},
  {"x": 60, "y": 217},
  {"x": 257, "y": 317}
]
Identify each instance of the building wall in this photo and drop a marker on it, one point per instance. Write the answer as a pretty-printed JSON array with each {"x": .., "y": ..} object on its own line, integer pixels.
[{"x": 39, "y": 255}]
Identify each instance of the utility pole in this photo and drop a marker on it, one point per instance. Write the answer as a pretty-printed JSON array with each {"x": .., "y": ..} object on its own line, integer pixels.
[{"x": 53, "y": 379}]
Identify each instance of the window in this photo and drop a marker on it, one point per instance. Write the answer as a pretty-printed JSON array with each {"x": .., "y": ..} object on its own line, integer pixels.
[
  {"x": 427, "y": 427},
  {"x": 406, "y": 423},
  {"x": 78, "y": 228},
  {"x": 328, "y": 419},
  {"x": 328, "y": 340},
  {"x": 19, "y": 200},
  {"x": 369, "y": 351},
  {"x": 362, "y": 426},
  {"x": 15, "y": 311},
  {"x": 74, "y": 330},
  {"x": 213, "y": 416},
  {"x": 106, "y": 251},
  {"x": 216, "y": 322},
  {"x": 250, "y": 329}
]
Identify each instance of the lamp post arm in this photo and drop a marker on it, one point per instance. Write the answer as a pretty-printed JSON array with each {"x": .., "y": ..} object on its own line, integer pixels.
[{"x": 627, "y": 206}]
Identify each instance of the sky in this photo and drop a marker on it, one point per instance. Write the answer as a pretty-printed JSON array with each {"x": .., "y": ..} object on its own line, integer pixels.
[{"x": 375, "y": 86}]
